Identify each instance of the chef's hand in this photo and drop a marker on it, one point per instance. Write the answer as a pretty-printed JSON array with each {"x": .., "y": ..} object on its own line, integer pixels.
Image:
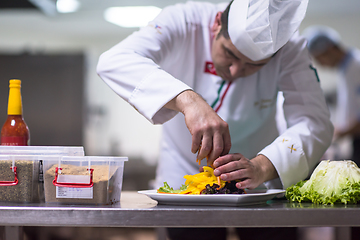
[
  {"x": 208, "y": 130},
  {"x": 251, "y": 173}
]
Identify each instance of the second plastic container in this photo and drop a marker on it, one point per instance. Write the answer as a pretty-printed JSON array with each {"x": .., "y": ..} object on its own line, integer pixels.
[{"x": 83, "y": 179}]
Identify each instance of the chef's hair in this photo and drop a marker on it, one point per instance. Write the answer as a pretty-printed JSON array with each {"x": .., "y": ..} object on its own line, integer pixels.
[{"x": 224, "y": 22}]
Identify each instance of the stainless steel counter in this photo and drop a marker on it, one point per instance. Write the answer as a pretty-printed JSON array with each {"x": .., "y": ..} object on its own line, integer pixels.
[{"x": 137, "y": 210}]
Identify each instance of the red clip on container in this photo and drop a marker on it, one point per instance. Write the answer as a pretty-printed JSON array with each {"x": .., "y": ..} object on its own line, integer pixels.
[
  {"x": 83, "y": 179},
  {"x": 11, "y": 183},
  {"x": 74, "y": 184},
  {"x": 19, "y": 178}
]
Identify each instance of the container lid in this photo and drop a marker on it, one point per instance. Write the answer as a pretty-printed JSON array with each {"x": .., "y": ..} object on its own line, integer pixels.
[
  {"x": 18, "y": 157},
  {"x": 93, "y": 158},
  {"x": 42, "y": 150}
]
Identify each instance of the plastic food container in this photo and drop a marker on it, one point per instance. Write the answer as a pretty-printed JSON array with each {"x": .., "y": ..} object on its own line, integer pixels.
[
  {"x": 83, "y": 179},
  {"x": 29, "y": 165},
  {"x": 19, "y": 178}
]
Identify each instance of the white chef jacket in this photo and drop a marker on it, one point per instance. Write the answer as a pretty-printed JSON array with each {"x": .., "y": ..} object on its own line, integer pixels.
[
  {"x": 173, "y": 54},
  {"x": 348, "y": 91}
]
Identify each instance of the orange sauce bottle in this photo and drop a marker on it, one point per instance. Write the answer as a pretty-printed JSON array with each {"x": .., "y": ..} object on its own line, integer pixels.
[{"x": 15, "y": 131}]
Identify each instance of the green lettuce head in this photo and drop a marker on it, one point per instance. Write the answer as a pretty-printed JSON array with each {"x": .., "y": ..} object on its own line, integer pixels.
[{"x": 331, "y": 182}]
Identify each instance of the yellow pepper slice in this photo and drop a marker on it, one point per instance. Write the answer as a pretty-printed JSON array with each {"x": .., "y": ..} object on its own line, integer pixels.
[{"x": 197, "y": 182}]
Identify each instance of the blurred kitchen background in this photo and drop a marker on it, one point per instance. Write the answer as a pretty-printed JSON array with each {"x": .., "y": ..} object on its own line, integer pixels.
[
  {"x": 55, "y": 52},
  {"x": 54, "y": 46}
]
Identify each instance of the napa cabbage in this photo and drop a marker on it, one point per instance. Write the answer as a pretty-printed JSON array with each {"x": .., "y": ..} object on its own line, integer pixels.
[{"x": 331, "y": 182}]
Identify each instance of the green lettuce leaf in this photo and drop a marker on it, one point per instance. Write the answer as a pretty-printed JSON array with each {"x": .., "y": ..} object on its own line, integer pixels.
[
  {"x": 167, "y": 189},
  {"x": 331, "y": 182}
]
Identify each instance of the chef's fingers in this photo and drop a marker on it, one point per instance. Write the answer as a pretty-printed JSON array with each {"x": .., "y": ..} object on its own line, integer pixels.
[
  {"x": 196, "y": 143},
  {"x": 247, "y": 183},
  {"x": 234, "y": 175},
  {"x": 206, "y": 147},
  {"x": 244, "y": 176},
  {"x": 237, "y": 167},
  {"x": 227, "y": 143},
  {"x": 231, "y": 171},
  {"x": 217, "y": 149},
  {"x": 227, "y": 158}
]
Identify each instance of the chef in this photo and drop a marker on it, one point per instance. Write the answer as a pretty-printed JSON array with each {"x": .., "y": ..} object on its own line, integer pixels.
[
  {"x": 325, "y": 46},
  {"x": 210, "y": 73}
]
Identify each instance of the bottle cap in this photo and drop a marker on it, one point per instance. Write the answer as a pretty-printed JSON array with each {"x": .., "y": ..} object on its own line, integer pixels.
[
  {"x": 15, "y": 83},
  {"x": 14, "y": 103}
]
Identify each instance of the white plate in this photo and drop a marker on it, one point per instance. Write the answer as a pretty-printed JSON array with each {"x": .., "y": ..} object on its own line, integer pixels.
[{"x": 251, "y": 197}]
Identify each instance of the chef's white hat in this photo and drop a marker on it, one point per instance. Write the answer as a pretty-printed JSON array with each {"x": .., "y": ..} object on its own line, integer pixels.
[
  {"x": 320, "y": 38},
  {"x": 259, "y": 28}
]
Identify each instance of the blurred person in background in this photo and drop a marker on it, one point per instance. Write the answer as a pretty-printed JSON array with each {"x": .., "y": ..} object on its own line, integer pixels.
[
  {"x": 221, "y": 66},
  {"x": 325, "y": 46}
]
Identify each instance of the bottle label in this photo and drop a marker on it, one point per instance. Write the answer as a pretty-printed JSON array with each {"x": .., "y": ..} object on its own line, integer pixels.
[{"x": 15, "y": 141}]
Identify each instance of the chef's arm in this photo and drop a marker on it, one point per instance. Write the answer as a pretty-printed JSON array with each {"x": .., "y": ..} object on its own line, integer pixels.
[
  {"x": 138, "y": 68},
  {"x": 208, "y": 130},
  {"x": 297, "y": 151}
]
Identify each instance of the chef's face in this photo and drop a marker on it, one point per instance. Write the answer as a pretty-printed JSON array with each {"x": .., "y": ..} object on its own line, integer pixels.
[{"x": 229, "y": 63}]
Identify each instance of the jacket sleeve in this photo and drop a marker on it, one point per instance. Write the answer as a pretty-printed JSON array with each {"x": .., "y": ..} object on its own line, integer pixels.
[
  {"x": 131, "y": 68},
  {"x": 309, "y": 132}
]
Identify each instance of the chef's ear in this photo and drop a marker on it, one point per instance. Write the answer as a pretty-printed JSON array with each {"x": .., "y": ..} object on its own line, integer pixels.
[{"x": 217, "y": 24}]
